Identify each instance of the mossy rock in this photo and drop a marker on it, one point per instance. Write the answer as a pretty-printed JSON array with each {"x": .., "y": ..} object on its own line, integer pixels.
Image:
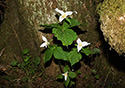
[{"x": 112, "y": 18}]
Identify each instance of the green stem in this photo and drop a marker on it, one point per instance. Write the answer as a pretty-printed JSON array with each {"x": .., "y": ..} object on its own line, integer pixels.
[{"x": 60, "y": 67}]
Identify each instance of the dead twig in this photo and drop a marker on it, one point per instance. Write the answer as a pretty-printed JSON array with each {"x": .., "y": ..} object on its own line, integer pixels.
[
  {"x": 2, "y": 51},
  {"x": 107, "y": 76}
]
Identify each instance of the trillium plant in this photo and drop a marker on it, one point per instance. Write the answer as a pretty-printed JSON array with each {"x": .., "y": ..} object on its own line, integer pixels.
[{"x": 63, "y": 31}]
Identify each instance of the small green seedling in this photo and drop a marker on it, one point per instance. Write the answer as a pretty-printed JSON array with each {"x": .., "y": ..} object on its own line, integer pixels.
[{"x": 29, "y": 65}]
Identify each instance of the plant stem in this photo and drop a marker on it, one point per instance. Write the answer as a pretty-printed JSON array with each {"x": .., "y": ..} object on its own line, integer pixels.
[{"x": 60, "y": 66}]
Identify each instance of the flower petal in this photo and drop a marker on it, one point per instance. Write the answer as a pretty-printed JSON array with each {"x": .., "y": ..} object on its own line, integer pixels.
[
  {"x": 44, "y": 38},
  {"x": 65, "y": 75},
  {"x": 68, "y": 13},
  {"x": 84, "y": 43},
  {"x": 79, "y": 48},
  {"x": 43, "y": 44},
  {"x": 59, "y": 11},
  {"x": 78, "y": 41},
  {"x": 61, "y": 18}
]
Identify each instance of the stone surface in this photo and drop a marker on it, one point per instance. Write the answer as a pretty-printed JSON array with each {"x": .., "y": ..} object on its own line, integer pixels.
[{"x": 112, "y": 18}]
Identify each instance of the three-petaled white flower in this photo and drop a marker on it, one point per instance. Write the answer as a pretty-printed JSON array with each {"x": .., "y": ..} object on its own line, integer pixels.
[
  {"x": 65, "y": 75},
  {"x": 45, "y": 44},
  {"x": 64, "y": 14},
  {"x": 81, "y": 44}
]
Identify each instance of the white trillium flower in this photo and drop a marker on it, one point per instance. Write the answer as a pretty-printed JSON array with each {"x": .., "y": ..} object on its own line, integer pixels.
[
  {"x": 64, "y": 14},
  {"x": 45, "y": 44},
  {"x": 81, "y": 44},
  {"x": 65, "y": 75}
]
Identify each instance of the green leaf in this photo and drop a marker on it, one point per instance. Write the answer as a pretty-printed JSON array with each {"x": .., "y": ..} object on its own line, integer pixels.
[
  {"x": 14, "y": 63},
  {"x": 48, "y": 54},
  {"x": 68, "y": 20},
  {"x": 96, "y": 51},
  {"x": 74, "y": 22},
  {"x": 96, "y": 77},
  {"x": 66, "y": 83},
  {"x": 65, "y": 36},
  {"x": 66, "y": 68},
  {"x": 25, "y": 51},
  {"x": 59, "y": 76},
  {"x": 72, "y": 75},
  {"x": 87, "y": 51},
  {"x": 66, "y": 25},
  {"x": 72, "y": 83},
  {"x": 78, "y": 72},
  {"x": 27, "y": 58},
  {"x": 59, "y": 53},
  {"x": 74, "y": 57},
  {"x": 36, "y": 61}
]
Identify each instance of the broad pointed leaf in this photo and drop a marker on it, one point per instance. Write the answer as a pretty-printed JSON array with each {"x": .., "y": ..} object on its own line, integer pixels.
[
  {"x": 66, "y": 25},
  {"x": 66, "y": 68},
  {"x": 65, "y": 36},
  {"x": 74, "y": 57},
  {"x": 59, "y": 76},
  {"x": 72, "y": 75},
  {"x": 66, "y": 83},
  {"x": 59, "y": 53},
  {"x": 74, "y": 22},
  {"x": 48, "y": 54},
  {"x": 87, "y": 51}
]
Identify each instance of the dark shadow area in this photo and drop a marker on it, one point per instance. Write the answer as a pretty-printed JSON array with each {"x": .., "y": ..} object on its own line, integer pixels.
[
  {"x": 2, "y": 10},
  {"x": 78, "y": 30},
  {"x": 116, "y": 60},
  {"x": 46, "y": 30},
  {"x": 111, "y": 55}
]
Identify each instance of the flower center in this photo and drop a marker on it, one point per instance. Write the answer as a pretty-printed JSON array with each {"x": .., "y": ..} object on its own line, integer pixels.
[
  {"x": 80, "y": 44},
  {"x": 47, "y": 43},
  {"x": 65, "y": 74},
  {"x": 64, "y": 15}
]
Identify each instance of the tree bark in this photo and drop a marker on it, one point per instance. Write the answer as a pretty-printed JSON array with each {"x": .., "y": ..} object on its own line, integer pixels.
[{"x": 22, "y": 19}]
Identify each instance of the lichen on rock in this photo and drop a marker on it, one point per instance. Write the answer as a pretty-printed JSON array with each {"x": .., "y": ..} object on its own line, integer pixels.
[{"x": 112, "y": 18}]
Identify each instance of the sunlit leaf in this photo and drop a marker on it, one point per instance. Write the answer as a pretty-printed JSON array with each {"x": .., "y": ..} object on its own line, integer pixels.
[{"x": 65, "y": 36}]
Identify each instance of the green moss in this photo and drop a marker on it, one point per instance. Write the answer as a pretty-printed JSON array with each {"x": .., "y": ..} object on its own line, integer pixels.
[{"x": 112, "y": 16}]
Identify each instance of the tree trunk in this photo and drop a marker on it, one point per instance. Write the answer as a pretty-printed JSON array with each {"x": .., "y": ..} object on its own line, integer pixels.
[{"x": 22, "y": 19}]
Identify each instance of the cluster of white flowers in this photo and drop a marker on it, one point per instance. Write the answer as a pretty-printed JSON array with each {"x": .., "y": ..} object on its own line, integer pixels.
[{"x": 79, "y": 42}]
